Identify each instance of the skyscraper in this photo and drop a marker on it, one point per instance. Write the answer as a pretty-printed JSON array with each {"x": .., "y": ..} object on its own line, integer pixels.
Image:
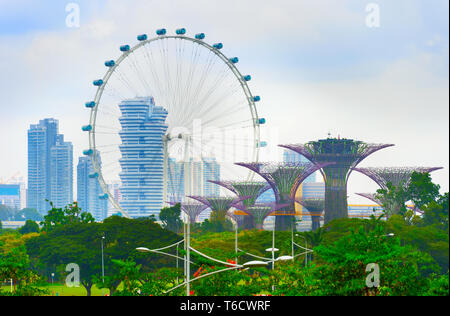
[
  {"x": 41, "y": 138},
  {"x": 142, "y": 162},
  {"x": 89, "y": 190},
  {"x": 61, "y": 172}
]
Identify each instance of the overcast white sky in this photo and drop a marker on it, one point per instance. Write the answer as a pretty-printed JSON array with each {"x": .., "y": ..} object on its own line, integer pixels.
[{"x": 315, "y": 63}]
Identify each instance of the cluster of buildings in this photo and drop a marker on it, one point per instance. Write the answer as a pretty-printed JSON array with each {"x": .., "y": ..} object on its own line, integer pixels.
[{"x": 141, "y": 190}]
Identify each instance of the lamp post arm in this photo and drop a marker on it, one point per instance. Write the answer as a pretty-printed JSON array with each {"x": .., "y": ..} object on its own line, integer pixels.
[
  {"x": 164, "y": 248},
  {"x": 255, "y": 256},
  {"x": 303, "y": 253},
  {"x": 200, "y": 277},
  {"x": 168, "y": 254},
  {"x": 302, "y": 247},
  {"x": 218, "y": 261}
]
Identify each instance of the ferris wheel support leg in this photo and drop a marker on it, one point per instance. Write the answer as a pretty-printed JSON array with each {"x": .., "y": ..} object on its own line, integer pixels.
[{"x": 165, "y": 170}]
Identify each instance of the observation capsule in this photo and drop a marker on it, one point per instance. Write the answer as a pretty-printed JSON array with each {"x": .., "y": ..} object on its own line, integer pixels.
[
  {"x": 161, "y": 32},
  {"x": 110, "y": 63},
  {"x": 88, "y": 152},
  {"x": 256, "y": 98},
  {"x": 218, "y": 46},
  {"x": 247, "y": 78},
  {"x": 90, "y": 104},
  {"x": 142, "y": 37},
  {"x": 262, "y": 144},
  {"x": 87, "y": 128},
  {"x": 200, "y": 36},
  {"x": 124, "y": 48},
  {"x": 262, "y": 121},
  {"x": 104, "y": 196},
  {"x": 181, "y": 31},
  {"x": 98, "y": 83},
  {"x": 234, "y": 60}
]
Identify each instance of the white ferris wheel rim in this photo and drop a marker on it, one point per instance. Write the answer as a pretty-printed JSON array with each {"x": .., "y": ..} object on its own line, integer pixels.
[{"x": 110, "y": 72}]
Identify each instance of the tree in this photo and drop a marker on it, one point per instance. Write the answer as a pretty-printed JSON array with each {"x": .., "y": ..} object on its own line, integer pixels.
[
  {"x": 421, "y": 190},
  {"x": 171, "y": 218},
  {"x": 69, "y": 215},
  {"x": 80, "y": 243},
  {"x": 29, "y": 227}
]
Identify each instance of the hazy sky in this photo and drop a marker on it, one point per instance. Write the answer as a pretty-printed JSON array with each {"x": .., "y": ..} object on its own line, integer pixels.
[{"x": 315, "y": 63}]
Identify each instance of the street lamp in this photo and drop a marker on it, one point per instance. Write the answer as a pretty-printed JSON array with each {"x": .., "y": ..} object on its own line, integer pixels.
[{"x": 103, "y": 267}]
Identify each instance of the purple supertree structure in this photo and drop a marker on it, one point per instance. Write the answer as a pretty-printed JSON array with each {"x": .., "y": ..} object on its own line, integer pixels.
[
  {"x": 372, "y": 197},
  {"x": 218, "y": 205},
  {"x": 345, "y": 154},
  {"x": 250, "y": 189},
  {"x": 192, "y": 210},
  {"x": 315, "y": 208},
  {"x": 259, "y": 212},
  {"x": 396, "y": 176},
  {"x": 284, "y": 178}
]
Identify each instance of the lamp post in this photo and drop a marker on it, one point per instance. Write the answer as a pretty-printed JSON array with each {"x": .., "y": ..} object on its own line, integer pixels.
[
  {"x": 306, "y": 247},
  {"x": 103, "y": 267}
]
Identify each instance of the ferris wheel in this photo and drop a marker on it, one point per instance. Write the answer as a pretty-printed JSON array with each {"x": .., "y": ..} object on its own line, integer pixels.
[{"x": 165, "y": 106}]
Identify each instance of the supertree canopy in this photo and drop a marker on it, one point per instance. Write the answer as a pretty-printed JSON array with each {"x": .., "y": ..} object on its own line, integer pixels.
[
  {"x": 218, "y": 205},
  {"x": 250, "y": 189},
  {"x": 397, "y": 176},
  {"x": 259, "y": 213},
  {"x": 315, "y": 208},
  {"x": 192, "y": 210},
  {"x": 284, "y": 178},
  {"x": 344, "y": 154},
  {"x": 372, "y": 197}
]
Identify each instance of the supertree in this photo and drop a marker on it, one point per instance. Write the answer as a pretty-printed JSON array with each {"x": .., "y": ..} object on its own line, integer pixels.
[
  {"x": 250, "y": 189},
  {"x": 218, "y": 205},
  {"x": 315, "y": 208},
  {"x": 284, "y": 178},
  {"x": 345, "y": 154},
  {"x": 192, "y": 209},
  {"x": 259, "y": 212},
  {"x": 396, "y": 176}
]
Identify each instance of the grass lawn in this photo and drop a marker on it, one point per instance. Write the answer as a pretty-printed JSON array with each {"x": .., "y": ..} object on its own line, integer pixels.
[{"x": 62, "y": 290}]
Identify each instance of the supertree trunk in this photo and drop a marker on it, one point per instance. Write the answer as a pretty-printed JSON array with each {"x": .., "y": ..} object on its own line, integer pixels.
[{"x": 336, "y": 205}]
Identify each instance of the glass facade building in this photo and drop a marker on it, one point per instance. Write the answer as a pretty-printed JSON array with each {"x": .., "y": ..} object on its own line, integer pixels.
[
  {"x": 61, "y": 172},
  {"x": 89, "y": 190},
  {"x": 10, "y": 195},
  {"x": 142, "y": 161},
  {"x": 42, "y": 138}
]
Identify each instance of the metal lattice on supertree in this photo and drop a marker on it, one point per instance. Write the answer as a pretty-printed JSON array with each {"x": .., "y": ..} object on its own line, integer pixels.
[
  {"x": 315, "y": 208},
  {"x": 397, "y": 176},
  {"x": 284, "y": 178},
  {"x": 219, "y": 205},
  {"x": 250, "y": 189},
  {"x": 259, "y": 212},
  {"x": 192, "y": 209},
  {"x": 372, "y": 197},
  {"x": 346, "y": 154}
]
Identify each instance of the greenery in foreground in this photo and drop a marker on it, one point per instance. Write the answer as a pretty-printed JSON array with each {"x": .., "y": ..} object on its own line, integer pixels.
[{"x": 413, "y": 261}]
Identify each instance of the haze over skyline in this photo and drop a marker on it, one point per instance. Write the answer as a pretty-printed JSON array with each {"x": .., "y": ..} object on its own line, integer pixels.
[{"x": 317, "y": 66}]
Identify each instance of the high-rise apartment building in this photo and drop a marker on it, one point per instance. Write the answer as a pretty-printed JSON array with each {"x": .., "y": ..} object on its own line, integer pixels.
[
  {"x": 61, "y": 172},
  {"x": 89, "y": 190},
  {"x": 142, "y": 161},
  {"x": 42, "y": 138}
]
